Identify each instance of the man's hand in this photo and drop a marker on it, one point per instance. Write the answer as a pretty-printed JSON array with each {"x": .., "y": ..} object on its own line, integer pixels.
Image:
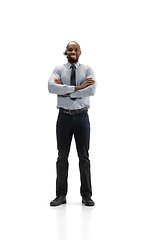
[
  {"x": 58, "y": 81},
  {"x": 66, "y": 95},
  {"x": 86, "y": 83}
]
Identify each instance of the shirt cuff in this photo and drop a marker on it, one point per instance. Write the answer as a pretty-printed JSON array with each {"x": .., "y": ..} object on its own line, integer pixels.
[
  {"x": 71, "y": 89},
  {"x": 73, "y": 95}
]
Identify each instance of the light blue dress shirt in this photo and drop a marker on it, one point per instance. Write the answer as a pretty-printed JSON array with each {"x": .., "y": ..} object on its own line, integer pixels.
[{"x": 82, "y": 96}]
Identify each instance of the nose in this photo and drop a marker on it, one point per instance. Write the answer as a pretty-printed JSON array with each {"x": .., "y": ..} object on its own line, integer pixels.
[{"x": 73, "y": 51}]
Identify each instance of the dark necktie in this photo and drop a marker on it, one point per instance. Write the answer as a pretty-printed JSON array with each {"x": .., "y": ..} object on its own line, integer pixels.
[
  {"x": 73, "y": 79},
  {"x": 73, "y": 76}
]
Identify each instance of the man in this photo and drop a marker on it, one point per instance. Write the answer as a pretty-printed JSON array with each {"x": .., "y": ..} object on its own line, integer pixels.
[{"x": 73, "y": 83}]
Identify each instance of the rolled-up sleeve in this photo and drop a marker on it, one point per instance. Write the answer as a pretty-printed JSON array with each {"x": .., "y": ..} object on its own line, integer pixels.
[{"x": 58, "y": 89}]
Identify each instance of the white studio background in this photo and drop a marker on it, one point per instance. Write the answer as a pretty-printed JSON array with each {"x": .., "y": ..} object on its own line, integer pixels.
[{"x": 120, "y": 41}]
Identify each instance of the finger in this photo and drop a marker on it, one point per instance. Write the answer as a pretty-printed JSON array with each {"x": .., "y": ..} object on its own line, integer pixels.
[
  {"x": 88, "y": 79},
  {"x": 92, "y": 81}
]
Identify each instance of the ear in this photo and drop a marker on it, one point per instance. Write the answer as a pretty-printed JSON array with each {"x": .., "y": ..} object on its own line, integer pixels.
[{"x": 65, "y": 53}]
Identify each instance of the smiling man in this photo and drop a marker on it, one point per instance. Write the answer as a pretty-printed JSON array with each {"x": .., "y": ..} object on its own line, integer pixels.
[
  {"x": 73, "y": 56},
  {"x": 73, "y": 83}
]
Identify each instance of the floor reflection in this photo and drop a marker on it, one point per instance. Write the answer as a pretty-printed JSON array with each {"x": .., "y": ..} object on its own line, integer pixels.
[{"x": 73, "y": 220}]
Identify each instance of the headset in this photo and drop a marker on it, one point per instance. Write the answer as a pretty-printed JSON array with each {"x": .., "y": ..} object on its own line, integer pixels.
[{"x": 65, "y": 53}]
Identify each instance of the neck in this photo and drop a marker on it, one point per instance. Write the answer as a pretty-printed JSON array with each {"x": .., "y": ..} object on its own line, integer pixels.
[{"x": 73, "y": 63}]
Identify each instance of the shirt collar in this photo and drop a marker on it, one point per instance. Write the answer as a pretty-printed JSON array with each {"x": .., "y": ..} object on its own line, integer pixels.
[{"x": 69, "y": 65}]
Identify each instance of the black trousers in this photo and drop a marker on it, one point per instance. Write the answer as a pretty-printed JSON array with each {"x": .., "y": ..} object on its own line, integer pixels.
[{"x": 67, "y": 126}]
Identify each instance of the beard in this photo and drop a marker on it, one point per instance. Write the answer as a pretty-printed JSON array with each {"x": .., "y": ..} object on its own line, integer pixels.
[{"x": 72, "y": 60}]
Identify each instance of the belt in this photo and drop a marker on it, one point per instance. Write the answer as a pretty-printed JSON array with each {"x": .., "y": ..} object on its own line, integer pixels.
[{"x": 73, "y": 112}]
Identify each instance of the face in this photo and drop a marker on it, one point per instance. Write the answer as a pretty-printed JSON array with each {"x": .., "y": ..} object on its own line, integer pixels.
[{"x": 73, "y": 52}]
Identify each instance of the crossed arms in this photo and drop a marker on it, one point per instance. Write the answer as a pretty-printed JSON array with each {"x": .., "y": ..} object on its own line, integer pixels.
[
  {"x": 86, "y": 89},
  {"x": 86, "y": 83}
]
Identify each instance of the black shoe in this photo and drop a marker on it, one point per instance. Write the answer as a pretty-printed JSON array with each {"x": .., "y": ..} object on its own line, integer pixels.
[
  {"x": 58, "y": 201},
  {"x": 88, "y": 201}
]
